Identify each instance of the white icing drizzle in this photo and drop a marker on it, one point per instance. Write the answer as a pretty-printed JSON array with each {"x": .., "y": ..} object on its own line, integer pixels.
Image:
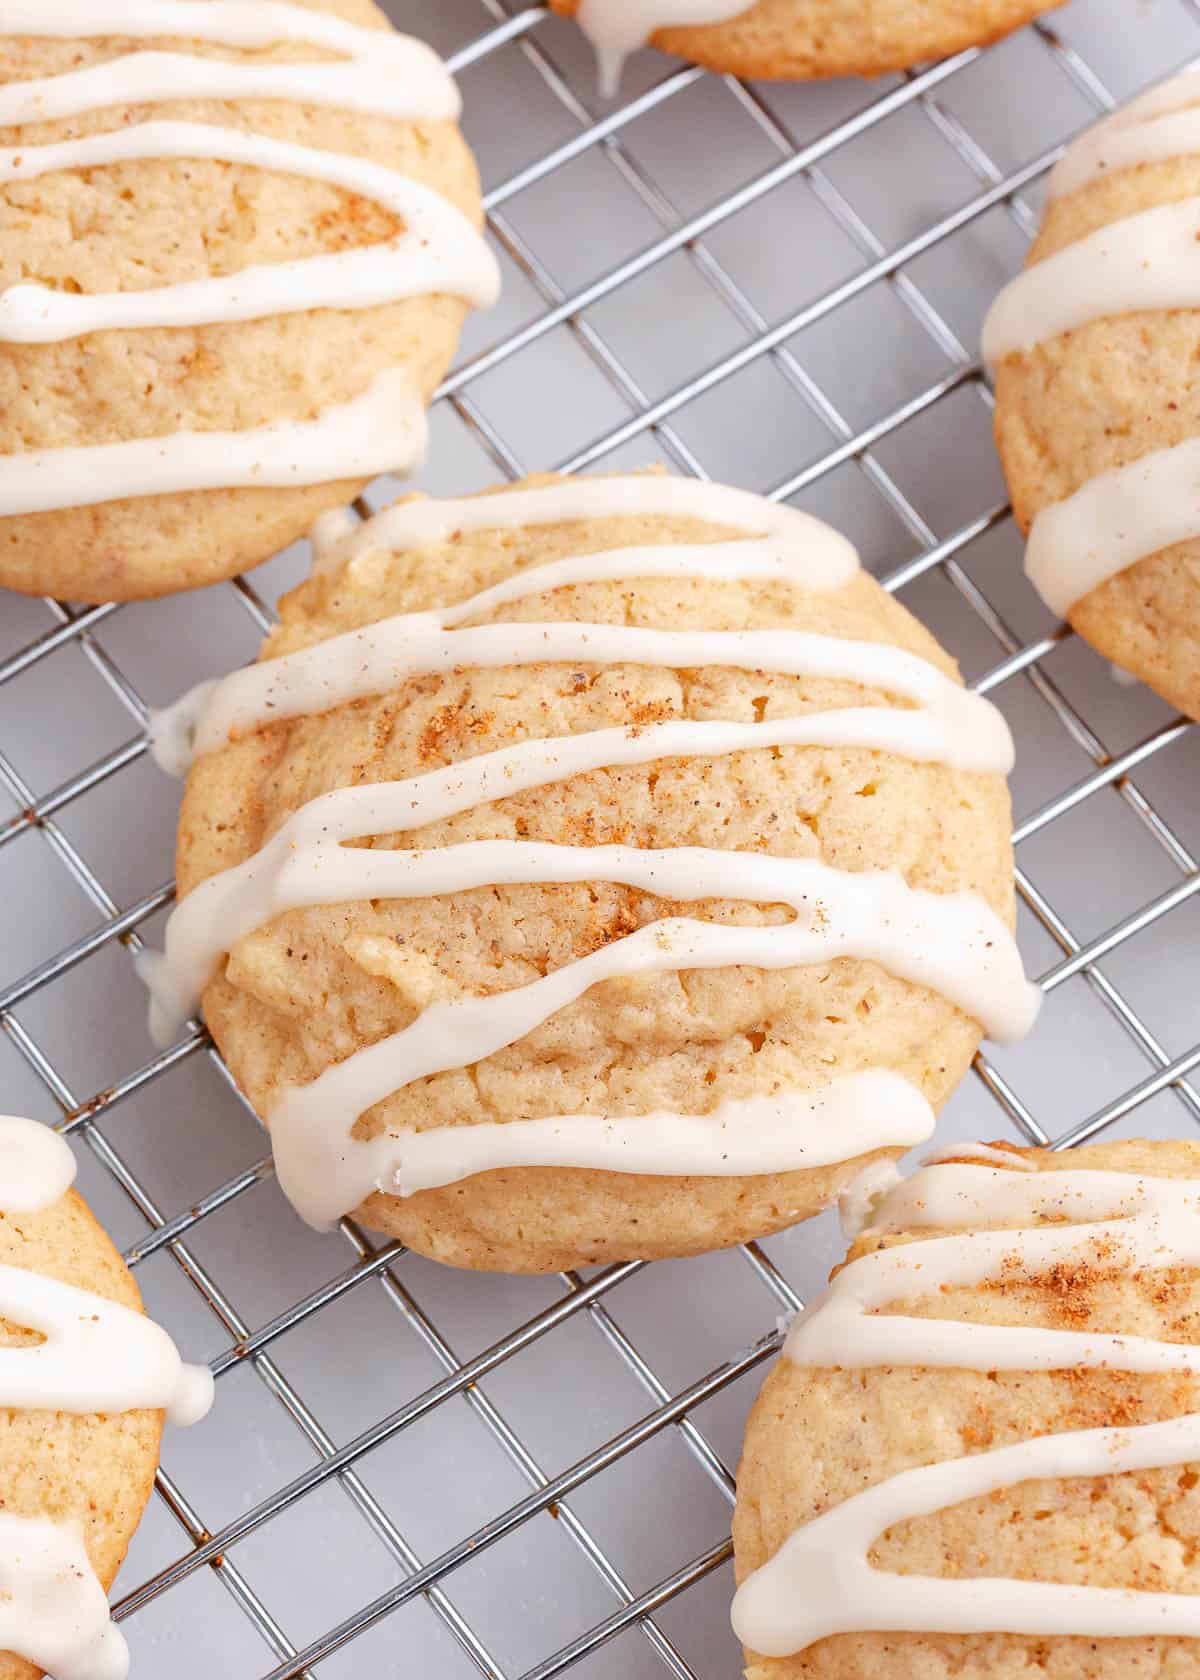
[
  {"x": 229, "y": 23},
  {"x": 1146, "y": 1222},
  {"x": 354, "y": 440},
  {"x": 853, "y": 1115},
  {"x": 618, "y": 27},
  {"x": 1157, "y": 126},
  {"x": 420, "y": 521},
  {"x": 1114, "y": 520},
  {"x": 951, "y": 943},
  {"x": 948, "y": 723},
  {"x": 53, "y": 1611},
  {"x": 305, "y": 864},
  {"x": 968, "y": 731},
  {"x": 97, "y": 1356},
  {"x": 1147, "y": 261},
  {"x": 387, "y": 89},
  {"x": 821, "y": 1582},
  {"x": 439, "y": 251}
]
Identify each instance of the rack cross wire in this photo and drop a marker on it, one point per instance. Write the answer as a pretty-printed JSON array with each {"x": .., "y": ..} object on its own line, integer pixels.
[{"x": 793, "y": 302}]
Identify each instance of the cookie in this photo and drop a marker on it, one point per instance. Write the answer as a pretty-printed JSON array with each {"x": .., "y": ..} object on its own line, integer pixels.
[
  {"x": 1097, "y": 412},
  {"x": 593, "y": 869},
  {"x": 979, "y": 1452},
  {"x": 794, "y": 40},
  {"x": 239, "y": 242},
  {"x": 84, "y": 1382}
]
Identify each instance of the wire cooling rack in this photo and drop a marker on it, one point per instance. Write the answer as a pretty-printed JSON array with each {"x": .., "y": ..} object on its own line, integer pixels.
[{"x": 439, "y": 1474}]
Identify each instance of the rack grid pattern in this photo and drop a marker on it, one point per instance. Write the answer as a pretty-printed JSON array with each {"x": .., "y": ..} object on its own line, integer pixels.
[{"x": 1108, "y": 773}]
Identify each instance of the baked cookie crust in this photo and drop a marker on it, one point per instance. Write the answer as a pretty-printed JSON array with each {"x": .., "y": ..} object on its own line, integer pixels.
[{"x": 315, "y": 985}]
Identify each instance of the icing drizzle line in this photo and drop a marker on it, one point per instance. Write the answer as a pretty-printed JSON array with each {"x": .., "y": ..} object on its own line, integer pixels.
[
  {"x": 1146, "y": 261},
  {"x": 820, "y": 1582},
  {"x": 852, "y": 1115},
  {"x": 438, "y": 251},
  {"x": 1149, "y": 1221},
  {"x": 96, "y": 1356},
  {"x": 353, "y": 440},
  {"x": 952, "y": 943}
]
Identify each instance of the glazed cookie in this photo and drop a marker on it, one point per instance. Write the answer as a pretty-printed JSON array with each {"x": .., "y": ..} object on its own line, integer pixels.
[
  {"x": 84, "y": 1381},
  {"x": 599, "y": 868},
  {"x": 978, "y": 1454},
  {"x": 1097, "y": 409},
  {"x": 239, "y": 240},
  {"x": 795, "y": 39}
]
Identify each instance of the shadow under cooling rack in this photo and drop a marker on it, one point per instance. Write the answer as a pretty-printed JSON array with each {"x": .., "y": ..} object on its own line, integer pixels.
[{"x": 780, "y": 286}]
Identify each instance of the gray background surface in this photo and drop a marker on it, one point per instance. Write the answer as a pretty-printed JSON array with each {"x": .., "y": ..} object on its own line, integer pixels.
[{"x": 778, "y": 286}]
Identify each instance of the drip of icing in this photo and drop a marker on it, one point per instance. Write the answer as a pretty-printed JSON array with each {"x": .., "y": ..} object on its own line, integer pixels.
[
  {"x": 1147, "y": 1222},
  {"x": 821, "y": 1582},
  {"x": 419, "y": 522},
  {"x": 1154, "y": 128},
  {"x": 439, "y": 250},
  {"x": 411, "y": 87},
  {"x": 1114, "y": 520},
  {"x": 383, "y": 430},
  {"x": 950, "y": 942},
  {"x": 53, "y": 1611},
  {"x": 306, "y": 862},
  {"x": 171, "y": 731},
  {"x": 618, "y": 27},
  {"x": 853, "y": 1115},
  {"x": 1147, "y": 261},
  {"x": 36, "y": 1165},
  {"x": 859, "y": 1200},
  {"x": 330, "y": 531}
]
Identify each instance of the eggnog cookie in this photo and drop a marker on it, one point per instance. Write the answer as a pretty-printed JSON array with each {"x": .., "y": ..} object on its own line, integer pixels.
[
  {"x": 1097, "y": 411},
  {"x": 239, "y": 240},
  {"x": 600, "y": 868},
  {"x": 795, "y": 39},
  {"x": 84, "y": 1382},
  {"x": 979, "y": 1453}
]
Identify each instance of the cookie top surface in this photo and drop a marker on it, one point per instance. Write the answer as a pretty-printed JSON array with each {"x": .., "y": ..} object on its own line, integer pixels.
[
  {"x": 794, "y": 39},
  {"x": 83, "y": 1386},
  {"x": 689, "y": 739},
  {"x": 1097, "y": 419},
  {"x": 1018, "y": 1405},
  {"x": 222, "y": 220}
]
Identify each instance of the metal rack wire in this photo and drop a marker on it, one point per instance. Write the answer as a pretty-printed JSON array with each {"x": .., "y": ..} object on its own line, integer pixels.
[{"x": 1102, "y": 762}]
